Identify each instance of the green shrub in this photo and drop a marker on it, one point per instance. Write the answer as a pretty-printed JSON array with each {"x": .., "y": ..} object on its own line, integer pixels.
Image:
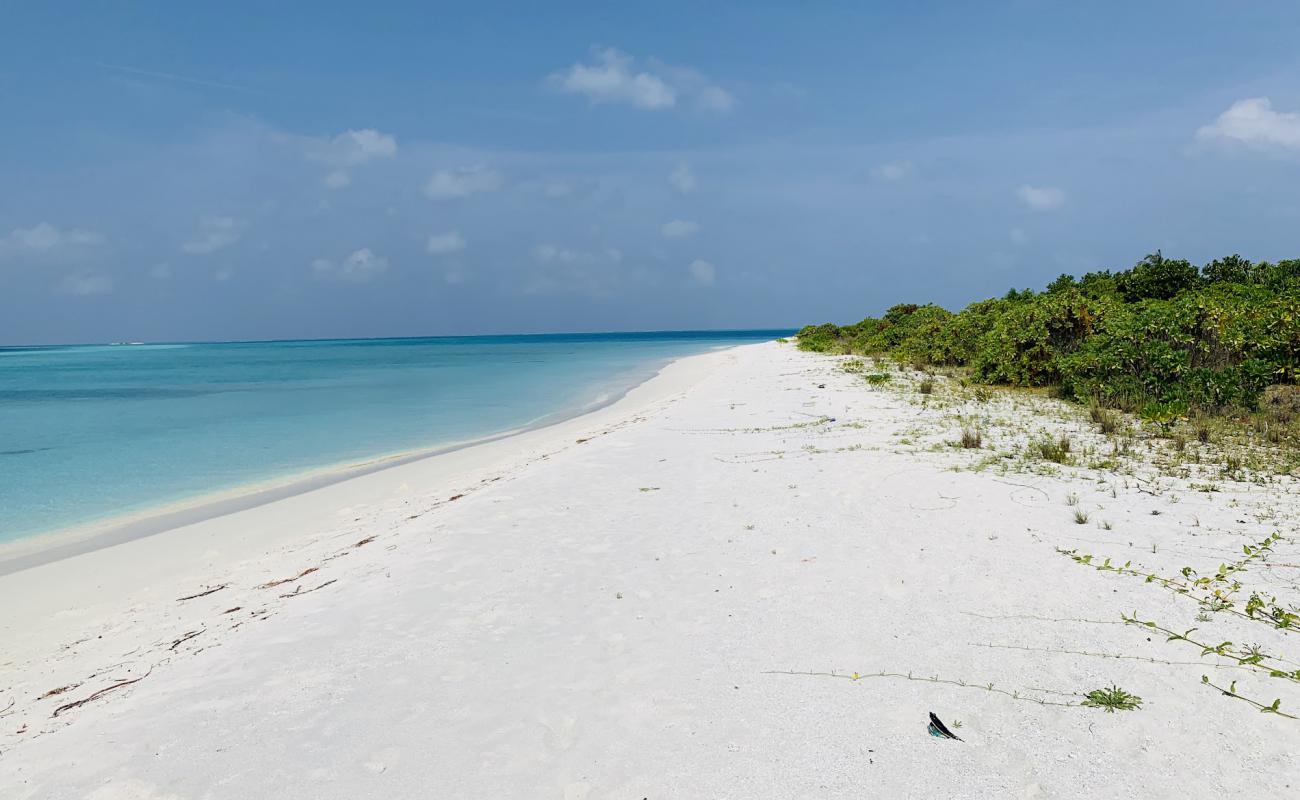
[{"x": 1162, "y": 332}]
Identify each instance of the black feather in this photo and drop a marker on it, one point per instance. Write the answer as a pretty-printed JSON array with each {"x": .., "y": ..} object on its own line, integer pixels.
[{"x": 936, "y": 725}]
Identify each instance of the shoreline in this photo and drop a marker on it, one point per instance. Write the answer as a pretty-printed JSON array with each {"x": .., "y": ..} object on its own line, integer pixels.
[
  {"x": 35, "y": 549},
  {"x": 757, "y": 566}
]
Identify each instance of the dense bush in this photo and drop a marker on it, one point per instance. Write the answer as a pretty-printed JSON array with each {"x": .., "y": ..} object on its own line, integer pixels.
[{"x": 1163, "y": 332}]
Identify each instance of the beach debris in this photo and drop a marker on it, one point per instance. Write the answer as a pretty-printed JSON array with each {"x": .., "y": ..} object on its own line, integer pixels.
[
  {"x": 98, "y": 694},
  {"x": 204, "y": 593},
  {"x": 282, "y": 581},
  {"x": 60, "y": 690},
  {"x": 938, "y": 729},
  {"x": 365, "y": 541},
  {"x": 455, "y": 497},
  {"x": 299, "y": 590},
  {"x": 185, "y": 638}
]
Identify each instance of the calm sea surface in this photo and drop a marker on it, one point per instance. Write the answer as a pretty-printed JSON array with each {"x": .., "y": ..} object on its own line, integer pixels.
[{"x": 91, "y": 432}]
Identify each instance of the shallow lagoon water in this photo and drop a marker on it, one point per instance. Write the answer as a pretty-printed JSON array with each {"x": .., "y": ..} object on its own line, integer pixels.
[{"x": 93, "y": 432}]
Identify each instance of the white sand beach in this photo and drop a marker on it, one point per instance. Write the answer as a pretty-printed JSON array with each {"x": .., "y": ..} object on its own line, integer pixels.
[{"x": 613, "y": 607}]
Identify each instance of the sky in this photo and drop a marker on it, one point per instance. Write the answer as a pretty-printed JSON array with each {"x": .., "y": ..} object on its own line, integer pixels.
[{"x": 238, "y": 170}]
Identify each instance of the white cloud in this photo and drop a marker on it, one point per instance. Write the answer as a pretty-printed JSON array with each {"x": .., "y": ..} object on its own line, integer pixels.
[
  {"x": 612, "y": 80},
  {"x": 1254, "y": 122},
  {"x": 85, "y": 284},
  {"x": 349, "y": 149},
  {"x": 678, "y": 229},
  {"x": 443, "y": 243},
  {"x": 45, "y": 238},
  {"x": 462, "y": 182},
  {"x": 1018, "y": 236},
  {"x": 715, "y": 99},
  {"x": 553, "y": 254},
  {"x": 893, "y": 171},
  {"x": 702, "y": 272},
  {"x": 615, "y": 77},
  {"x": 214, "y": 233},
  {"x": 1041, "y": 198},
  {"x": 338, "y": 179},
  {"x": 361, "y": 266},
  {"x": 682, "y": 179}
]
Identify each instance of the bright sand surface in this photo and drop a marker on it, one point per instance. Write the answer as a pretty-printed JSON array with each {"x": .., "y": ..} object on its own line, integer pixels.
[{"x": 602, "y": 608}]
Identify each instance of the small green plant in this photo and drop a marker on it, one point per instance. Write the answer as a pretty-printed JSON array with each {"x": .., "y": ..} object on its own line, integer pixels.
[
  {"x": 1164, "y": 415},
  {"x": 1202, "y": 428},
  {"x": 878, "y": 378},
  {"x": 1112, "y": 699},
  {"x": 1072, "y": 499},
  {"x": 1055, "y": 450},
  {"x": 972, "y": 438},
  {"x": 1080, "y": 516},
  {"x": 1107, "y": 421},
  {"x": 926, "y": 386}
]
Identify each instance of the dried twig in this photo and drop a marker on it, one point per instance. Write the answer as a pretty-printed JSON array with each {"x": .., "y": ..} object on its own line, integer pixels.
[
  {"x": 60, "y": 690},
  {"x": 204, "y": 593},
  {"x": 299, "y": 590},
  {"x": 189, "y": 635},
  {"x": 282, "y": 581},
  {"x": 99, "y": 694}
]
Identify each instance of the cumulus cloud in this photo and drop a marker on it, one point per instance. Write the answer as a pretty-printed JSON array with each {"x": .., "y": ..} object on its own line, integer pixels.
[
  {"x": 893, "y": 171},
  {"x": 1254, "y": 122},
  {"x": 678, "y": 229},
  {"x": 682, "y": 179},
  {"x": 615, "y": 77},
  {"x": 441, "y": 244},
  {"x": 349, "y": 149},
  {"x": 1041, "y": 198},
  {"x": 85, "y": 284},
  {"x": 703, "y": 272},
  {"x": 45, "y": 238},
  {"x": 214, "y": 233},
  {"x": 359, "y": 267},
  {"x": 462, "y": 182}
]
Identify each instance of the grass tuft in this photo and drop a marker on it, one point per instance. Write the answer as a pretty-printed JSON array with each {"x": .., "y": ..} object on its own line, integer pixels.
[{"x": 1112, "y": 699}]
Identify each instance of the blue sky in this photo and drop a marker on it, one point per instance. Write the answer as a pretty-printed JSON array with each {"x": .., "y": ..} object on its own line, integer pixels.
[{"x": 256, "y": 170}]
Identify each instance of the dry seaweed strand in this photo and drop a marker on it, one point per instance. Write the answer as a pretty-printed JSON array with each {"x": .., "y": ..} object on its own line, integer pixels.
[{"x": 98, "y": 694}]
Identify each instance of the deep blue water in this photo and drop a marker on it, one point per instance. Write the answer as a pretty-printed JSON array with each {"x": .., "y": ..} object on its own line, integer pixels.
[{"x": 94, "y": 431}]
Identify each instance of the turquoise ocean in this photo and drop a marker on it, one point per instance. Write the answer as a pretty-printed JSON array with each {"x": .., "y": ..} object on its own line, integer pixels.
[{"x": 93, "y": 432}]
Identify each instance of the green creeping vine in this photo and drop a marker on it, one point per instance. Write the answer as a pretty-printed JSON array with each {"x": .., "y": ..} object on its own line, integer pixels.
[
  {"x": 1214, "y": 592},
  {"x": 1217, "y": 593}
]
